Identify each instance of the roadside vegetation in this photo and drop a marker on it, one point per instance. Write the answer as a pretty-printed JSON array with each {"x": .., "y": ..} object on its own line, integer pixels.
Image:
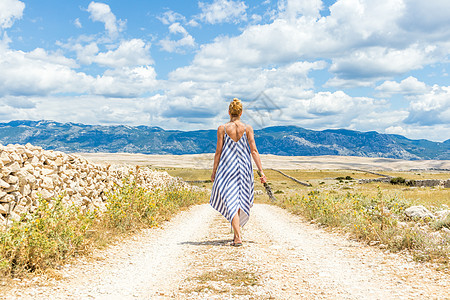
[
  {"x": 379, "y": 220},
  {"x": 373, "y": 212},
  {"x": 56, "y": 231}
]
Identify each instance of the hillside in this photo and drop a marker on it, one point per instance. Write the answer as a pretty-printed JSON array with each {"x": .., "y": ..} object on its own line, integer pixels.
[{"x": 278, "y": 140}]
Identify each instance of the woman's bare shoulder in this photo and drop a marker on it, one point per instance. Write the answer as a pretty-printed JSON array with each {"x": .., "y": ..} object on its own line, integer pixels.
[
  {"x": 249, "y": 128},
  {"x": 221, "y": 129}
]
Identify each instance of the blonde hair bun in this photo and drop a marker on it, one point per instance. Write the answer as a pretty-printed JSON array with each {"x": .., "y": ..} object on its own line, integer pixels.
[{"x": 235, "y": 107}]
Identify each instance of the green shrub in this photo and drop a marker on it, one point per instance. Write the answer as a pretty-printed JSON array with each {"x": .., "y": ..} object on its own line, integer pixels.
[
  {"x": 398, "y": 180},
  {"x": 341, "y": 178}
]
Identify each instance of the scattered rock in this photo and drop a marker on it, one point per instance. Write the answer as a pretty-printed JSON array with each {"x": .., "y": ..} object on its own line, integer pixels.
[
  {"x": 442, "y": 214},
  {"x": 402, "y": 224},
  {"x": 418, "y": 211},
  {"x": 374, "y": 243}
]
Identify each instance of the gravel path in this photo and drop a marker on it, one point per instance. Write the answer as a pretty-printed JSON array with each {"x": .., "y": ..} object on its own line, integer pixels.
[{"x": 282, "y": 258}]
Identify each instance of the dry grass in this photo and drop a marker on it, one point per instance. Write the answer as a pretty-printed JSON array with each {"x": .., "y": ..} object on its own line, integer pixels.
[
  {"x": 187, "y": 174},
  {"x": 432, "y": 197},
  {"x": 330, "y": 174},
  {"x": 325, "y": 181},
  {"x": 234, "y": 282}
]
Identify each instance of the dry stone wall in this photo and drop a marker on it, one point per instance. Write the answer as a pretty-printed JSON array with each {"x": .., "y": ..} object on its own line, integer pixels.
[
  {"x": 29, "y": 173},
  {"x": 416, "y": 183}
]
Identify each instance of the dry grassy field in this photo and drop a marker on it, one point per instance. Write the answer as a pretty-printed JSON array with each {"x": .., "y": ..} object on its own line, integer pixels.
[
  {"x": 325, "y": 181},
  {"x": 320, "y": 171}
]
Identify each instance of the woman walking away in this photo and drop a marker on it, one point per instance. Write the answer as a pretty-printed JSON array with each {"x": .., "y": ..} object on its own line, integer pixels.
[{"x": 232, "y": 175}]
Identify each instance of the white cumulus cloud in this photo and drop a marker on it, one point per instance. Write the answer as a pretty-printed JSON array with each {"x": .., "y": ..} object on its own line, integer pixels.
[
  {"x": 39, "y": 73},
  {"x": 170, "y": 17},
  {"x": 10, "y": 10},
  {"x": 431, "y": 108},
  {"x": 127, "y": 53},
  {"x": 77, "y": 23},
  {"x": 426, "y": 17},
  {"x": 185, "y": 41},
  {"x": 408, "y": 86},
  {"x": 221, "y": 11},
  {"x": 130, "y": 53},
  {"x": 294, "y": 8},
  {"x": 379, "y": 62},
  {"x": 125, "y": 82},
  {"x": 101, "y": 12},
  {"x": 363, "y": 40}
]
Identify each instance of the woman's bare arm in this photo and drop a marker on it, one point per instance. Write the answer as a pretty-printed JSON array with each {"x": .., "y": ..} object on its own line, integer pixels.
[
  {"x": 220, "y": 134},
  {"x": 254, "y": 151}
]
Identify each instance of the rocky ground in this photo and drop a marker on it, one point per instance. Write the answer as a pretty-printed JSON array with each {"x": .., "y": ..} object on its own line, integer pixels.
[{"x": 283, "y": 257}]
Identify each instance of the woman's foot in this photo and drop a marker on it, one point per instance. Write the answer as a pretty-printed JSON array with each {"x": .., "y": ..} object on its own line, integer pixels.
[{"x": 236, "y": 242}]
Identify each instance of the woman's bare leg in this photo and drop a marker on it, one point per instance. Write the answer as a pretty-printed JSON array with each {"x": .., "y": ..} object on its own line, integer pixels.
[{"x": 236, "y": 228}]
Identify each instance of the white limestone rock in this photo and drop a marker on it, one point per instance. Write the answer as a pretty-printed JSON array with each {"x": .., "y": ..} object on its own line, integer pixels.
[
  {"x": 46, "y": 194},
  {"x": 4, "y": 184},
  {"x": 4, "y": 209},
  {"x": 14, "y": 167},
  {"x": 11, "y": 179},
  {"x": 47, "y": 183},
  {"x": 418, "y": 211},
  {"x": 4, "y": 158},
  {"x": 442, "y": 214},
  {"x": 25, "y": 190}
]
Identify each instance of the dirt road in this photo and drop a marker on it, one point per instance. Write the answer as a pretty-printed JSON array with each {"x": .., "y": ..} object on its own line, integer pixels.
[{"x": 282, "y": 258}]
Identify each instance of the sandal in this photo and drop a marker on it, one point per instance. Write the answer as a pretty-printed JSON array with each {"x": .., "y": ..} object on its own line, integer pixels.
[{"x": 236, "y": 244}]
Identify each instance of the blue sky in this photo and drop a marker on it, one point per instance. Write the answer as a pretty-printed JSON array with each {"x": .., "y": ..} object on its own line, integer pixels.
[{"x": 355, "y": 64}]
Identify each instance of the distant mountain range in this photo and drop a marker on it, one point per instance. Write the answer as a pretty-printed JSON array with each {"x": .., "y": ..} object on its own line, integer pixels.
[{"x": 278, "y": 140}]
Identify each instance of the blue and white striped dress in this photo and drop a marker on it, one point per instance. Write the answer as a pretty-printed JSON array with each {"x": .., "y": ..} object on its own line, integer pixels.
[{"x": 233, "y": 184}]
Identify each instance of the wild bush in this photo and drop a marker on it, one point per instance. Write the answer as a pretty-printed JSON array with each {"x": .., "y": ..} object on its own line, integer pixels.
[{"x": 398, "y": 180}]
